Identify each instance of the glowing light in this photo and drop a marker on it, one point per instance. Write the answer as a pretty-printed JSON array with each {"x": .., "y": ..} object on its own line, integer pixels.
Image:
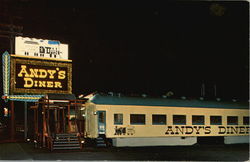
[{"x": 5, "y": 112}]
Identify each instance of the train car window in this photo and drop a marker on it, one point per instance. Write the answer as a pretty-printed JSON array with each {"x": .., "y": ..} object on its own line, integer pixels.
[
  {"x": 137, "y": 119},
  {"x": 215, "y": 120},
  {"x": 118, "y": 119},
  {"x": 179, "y": 119},
  {"x": 232, "y": 120},
  {"x": 159, "y": 119},
  {"x": 246, "y": 120},
  {"x": 198, "y": 120}
]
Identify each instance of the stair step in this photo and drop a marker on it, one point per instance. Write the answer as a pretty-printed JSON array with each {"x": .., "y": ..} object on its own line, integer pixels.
[
  {"x": 101, "y": 145},
  {"x": 65, "y": 145},
  {"x": 66, "y": 140},
  {"x": 66, "y": 134},
  {"x": 67, "y": 148},
  {"x": 63, "y": 142},
  {"x": 100, "y": 142},
  {"x": 99, "y": 138},
  {"x": 68, "y": 137},
  {"x": 72, "y": 135}
]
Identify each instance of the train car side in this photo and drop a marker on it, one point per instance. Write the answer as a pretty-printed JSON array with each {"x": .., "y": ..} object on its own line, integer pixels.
[{"x": 140, "y": 125}]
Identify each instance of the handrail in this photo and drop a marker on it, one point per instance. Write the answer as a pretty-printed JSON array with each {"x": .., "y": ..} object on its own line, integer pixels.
[
  {"x": 78, "y": 134},
  {"x": 77, "y": 127},
  {"x": 49, "y": 138}
]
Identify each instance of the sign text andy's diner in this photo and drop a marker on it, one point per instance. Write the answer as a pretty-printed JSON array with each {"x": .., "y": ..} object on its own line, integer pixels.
[{"x": 40, "y": 76}]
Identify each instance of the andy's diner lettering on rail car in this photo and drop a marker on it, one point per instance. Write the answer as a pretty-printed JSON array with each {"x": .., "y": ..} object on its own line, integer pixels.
[
  {"x": 233, "y": 130},
  {"x": 187, "y": 130},
  {"x": 197, "y": 130}
]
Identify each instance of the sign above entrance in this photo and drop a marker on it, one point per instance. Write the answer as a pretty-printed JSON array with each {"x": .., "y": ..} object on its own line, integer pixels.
[
  {"x": 40, "y": 48},
  {"x": 40, "y": 76}
]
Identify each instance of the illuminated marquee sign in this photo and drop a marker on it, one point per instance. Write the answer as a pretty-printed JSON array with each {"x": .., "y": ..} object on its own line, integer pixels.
[{"x": 36, "y": 76}]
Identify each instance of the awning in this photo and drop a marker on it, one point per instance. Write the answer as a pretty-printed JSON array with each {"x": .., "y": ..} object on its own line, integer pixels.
[{"x": 61, "y": 96}]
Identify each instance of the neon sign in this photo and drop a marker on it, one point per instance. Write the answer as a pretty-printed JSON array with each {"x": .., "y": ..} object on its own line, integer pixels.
[{"x": 40, "y": 76}]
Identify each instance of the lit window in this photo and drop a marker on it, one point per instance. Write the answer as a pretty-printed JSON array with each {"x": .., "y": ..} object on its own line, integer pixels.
[
  {"x": 138, "y": 119},
  {"x": 118, "y": 119},
  {"x": 159, "y": 119}
]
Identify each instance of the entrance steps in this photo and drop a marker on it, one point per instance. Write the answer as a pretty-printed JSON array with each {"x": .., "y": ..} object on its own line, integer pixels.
[
  {"x": 100, "y": 142},
  {"x": 66, "y": 141}
]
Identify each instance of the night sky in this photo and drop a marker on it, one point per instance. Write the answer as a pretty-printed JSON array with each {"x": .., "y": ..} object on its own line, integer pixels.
[{"x": 150, "y": 47}]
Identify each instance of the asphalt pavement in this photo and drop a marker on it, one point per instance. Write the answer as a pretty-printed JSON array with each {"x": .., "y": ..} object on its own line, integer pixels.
[{"x": 27, "y": 152}]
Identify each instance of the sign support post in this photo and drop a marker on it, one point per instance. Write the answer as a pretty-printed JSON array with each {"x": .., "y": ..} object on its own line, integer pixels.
[
  {"x": 12, "y": 129},
  {"x": 25, "y": 121}
]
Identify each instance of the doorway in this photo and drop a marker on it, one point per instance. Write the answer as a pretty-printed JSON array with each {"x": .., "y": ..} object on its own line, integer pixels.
[{"x": 101, "y": 122}]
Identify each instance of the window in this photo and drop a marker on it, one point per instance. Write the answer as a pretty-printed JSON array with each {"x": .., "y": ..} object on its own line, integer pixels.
[
  {"x": 246, "y": 120},
  {"x": 198, "y": 120},
  {"x": 232, "y": 120},
  {"x": 179, "y": 119},
  {"x": 158, "y": 119},
  {"x": 137, "y": 119},
  {"x": 215, "y": 120},
  {"x": 118, "y": 119},
  {"x": 101, "y": 117}
]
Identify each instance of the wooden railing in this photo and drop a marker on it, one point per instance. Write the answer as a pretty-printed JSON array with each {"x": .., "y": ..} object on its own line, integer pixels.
[
  {"x": 49, "y": 139},
  {"x": 76, "y": 104},
  {"x": 80, "y": 139}
]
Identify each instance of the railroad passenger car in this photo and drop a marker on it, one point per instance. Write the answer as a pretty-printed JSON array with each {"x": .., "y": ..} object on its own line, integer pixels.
[{"x": 134, "y": 121}]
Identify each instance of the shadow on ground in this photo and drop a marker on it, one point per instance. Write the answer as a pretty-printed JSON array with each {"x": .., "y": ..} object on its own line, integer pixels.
[{"x": 26, "y": 151}]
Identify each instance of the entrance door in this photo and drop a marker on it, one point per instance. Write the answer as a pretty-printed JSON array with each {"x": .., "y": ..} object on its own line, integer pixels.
[
  {"x": 56, "y": 120},
  {"x": 101, "y": 122},
  {"x": 59, "y": 120}
]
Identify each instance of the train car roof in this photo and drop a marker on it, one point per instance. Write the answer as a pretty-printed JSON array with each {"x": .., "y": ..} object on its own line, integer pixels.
[{"x": 140, "y": 101}]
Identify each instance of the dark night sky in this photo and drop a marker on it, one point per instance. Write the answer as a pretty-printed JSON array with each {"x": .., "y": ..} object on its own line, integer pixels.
[{"x": 150, "y": 47}]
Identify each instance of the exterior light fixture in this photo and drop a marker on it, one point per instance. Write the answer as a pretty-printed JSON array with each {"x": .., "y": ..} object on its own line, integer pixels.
[
  {"x": 5, "y": 112},
  {"x": 183, "y": 97}
]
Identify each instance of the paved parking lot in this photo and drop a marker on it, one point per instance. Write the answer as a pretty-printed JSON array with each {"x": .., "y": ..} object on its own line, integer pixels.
[{"x": 26, "y": 151}]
